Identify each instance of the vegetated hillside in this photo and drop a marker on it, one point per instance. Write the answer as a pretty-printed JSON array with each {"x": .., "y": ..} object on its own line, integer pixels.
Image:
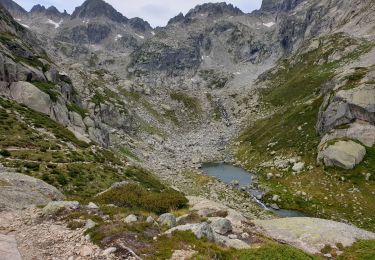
[{"x": 295, "y": 90}]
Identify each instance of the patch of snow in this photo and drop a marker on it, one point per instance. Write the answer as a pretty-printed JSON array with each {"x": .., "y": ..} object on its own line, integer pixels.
[
  {"x": 237, "y": 73},
  {"x": 140, "y": 36},
  {"x": 118, "y": 36},
  {"x": 25, "y": 25},
  {"x": 57, "y": 25},
  {"x": 153, "y": 33},
  {"x": 270, "y": 24},
  {"x": 19, "y": 20}
]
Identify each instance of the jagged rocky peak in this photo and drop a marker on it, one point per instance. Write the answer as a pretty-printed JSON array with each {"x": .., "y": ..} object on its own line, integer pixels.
[
  {"x": 208, "y": 9},
  {"x": 13, "y": 8},
  {"x": 178, "y": 18},
  {"x": 279, "y": 5},
  {"x": 38, "y": 9},
  {"x": 98, "y": 8},
  {"x": 213, "y": 9},
  {"x": 139, "y": 24},
  {"x": 50, "y": 11}
]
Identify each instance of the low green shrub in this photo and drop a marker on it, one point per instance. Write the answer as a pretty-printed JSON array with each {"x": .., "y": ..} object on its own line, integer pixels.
[
  {"x": 5, "y": 153},
  {"x": 135, "y": 196}
]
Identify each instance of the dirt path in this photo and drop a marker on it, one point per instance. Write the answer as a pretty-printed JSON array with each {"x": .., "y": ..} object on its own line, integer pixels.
[{"x": 23, "y": 234}]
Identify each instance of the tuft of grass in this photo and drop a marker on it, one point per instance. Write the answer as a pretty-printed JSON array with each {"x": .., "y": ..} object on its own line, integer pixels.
[
  {"x": 355, "y": 78},
  {"x": 189, "y": 102},
  {"x": 76, "y": 108},
  {"x": 364, "y": 250},
  {"x": 48, "y": 88}
]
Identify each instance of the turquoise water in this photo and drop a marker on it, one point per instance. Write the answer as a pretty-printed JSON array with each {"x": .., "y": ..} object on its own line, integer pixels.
[{"x": 229, "y": 174}]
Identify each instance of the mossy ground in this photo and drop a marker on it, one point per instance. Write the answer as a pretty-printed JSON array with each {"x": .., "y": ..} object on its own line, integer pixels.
[
  {"x": 295, "y": 95},
  {"x": 364, "y": 250}
]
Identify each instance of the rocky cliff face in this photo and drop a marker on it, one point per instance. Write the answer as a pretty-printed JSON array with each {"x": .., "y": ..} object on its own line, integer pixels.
[{"x": 279, "y": 5}]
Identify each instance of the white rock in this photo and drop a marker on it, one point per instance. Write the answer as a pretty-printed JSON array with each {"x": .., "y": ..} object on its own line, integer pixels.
[
  {"x": 298, "y": 167},
  {"x": 276, "y": 198},
  {"x": 90, "y": 224},
  {"x": 86, "y": 251},
  {"x": 92, "y": 206},
  {"x": 109, "y": 251},
  {"x": 131, "y": 218},
  {"x": 150, "y": 220}
]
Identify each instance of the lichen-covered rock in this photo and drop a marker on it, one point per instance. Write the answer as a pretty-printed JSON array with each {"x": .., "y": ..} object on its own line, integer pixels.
[
  {"x": 167, "y": 220},
  {"x": 200, "y": 230},
  {"x": 312, "y": 234},
  {"x": 55, "y": 206},
  {"x": 221, "y": 226},
  {"x": 343, "y": 154},
  {"x": 231, "y": 242}
]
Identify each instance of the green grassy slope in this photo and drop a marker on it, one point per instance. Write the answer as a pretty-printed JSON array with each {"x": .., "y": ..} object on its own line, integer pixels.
[{"x": 294, "y": 92}]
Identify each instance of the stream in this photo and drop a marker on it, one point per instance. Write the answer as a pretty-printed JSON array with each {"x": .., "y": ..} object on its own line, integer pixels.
[{"x": 231, "y": 174}]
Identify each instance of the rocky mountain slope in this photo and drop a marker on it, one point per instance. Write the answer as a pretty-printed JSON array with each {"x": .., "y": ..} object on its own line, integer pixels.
[{"x": 286, "y": 92}]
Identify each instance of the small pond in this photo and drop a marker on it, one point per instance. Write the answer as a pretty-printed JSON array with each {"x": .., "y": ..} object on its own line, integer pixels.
[{"x": 231, "y": 174}]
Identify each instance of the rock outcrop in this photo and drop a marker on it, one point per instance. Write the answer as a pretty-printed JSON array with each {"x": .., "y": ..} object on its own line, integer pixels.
[
  {"x": 310, "y": 234},
  {"x": 347, "y": 106},
  {"x": 18, "y": 191}
]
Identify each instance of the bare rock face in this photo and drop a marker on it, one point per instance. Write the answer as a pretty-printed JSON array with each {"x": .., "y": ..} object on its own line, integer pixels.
[
  {"x": 311, "y": 234},
  {"x": 343, "y": 154},
  {"x": 279, "y": 5},
  {"x": 18, "y": 191}
]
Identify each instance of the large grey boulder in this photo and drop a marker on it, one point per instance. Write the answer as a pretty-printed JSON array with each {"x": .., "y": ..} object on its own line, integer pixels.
[
  {"x": 18, "y": 191},
  {"x": 200, "y": 230},
  {"x": 343, "y": 154},
  {"x": 221, "y": 226},
  {"x": 167, "y": 220},
  {"x": 29, "y": 95}
]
